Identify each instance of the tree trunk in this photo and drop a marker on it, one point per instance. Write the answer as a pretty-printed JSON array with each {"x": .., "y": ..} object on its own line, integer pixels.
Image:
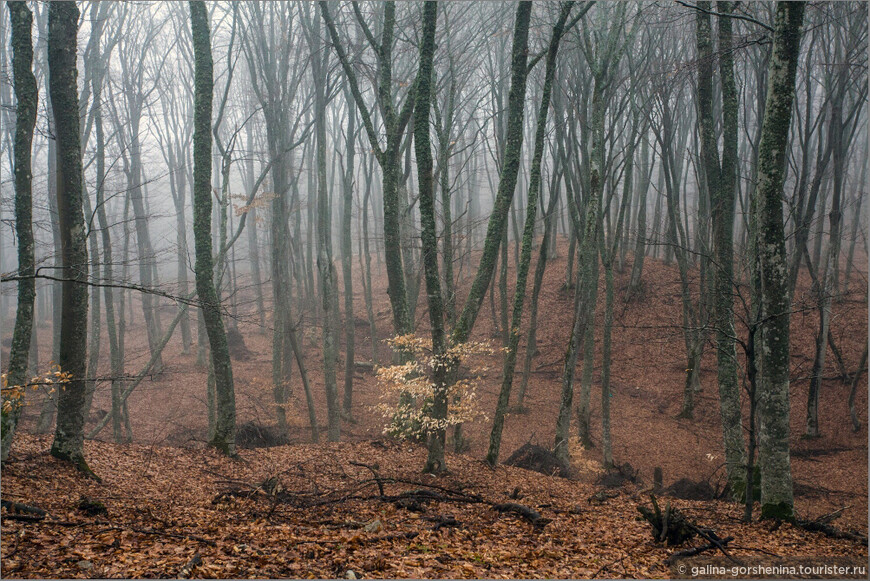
[
  {"x": 225, "y": 421},
  {"x": 770, "y": 259},
  {"x": 435, "y": 462},
  {"x": 388, "y": 158},
  {"x": 721, "y": 182},
  {"x": 26, "y": 96},
  {"x": 367, "y": 281},
  {"x": 347, "y": 259},
  {"x": 508, "y": 178},
  {"x": 325, "y": 267},
  {"x": 540, "y": 267},
  {"x": 635, "y": 282},
  {"x": 853, "y": 415},
  {"x": 69, "y": 434},
  {"x": 828, "y": 273},
  {"x": 510, "y": 359}
]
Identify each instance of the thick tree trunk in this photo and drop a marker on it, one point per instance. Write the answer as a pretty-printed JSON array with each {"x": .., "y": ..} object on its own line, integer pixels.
[
  {"x": 721, "y": 183},
  {"x": 26, "y": 96},
  {"x": 225, "y": 421},
  {"x": 69, "y": 434},
  {"x": 771, "y": 265}
]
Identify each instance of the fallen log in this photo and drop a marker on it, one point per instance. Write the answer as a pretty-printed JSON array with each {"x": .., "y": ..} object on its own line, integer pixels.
[
  {"x": 817, "y": 526},
  {"x": 18, "y": 507}
]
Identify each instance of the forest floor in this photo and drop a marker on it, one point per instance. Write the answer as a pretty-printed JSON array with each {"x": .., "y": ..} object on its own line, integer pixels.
[{"x": 314, "y": 510}]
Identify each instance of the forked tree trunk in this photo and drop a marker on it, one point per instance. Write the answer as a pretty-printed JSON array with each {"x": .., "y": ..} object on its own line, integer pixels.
[
  {"x": 721, "y": 183},
  {"x": 510, "y": 359}
]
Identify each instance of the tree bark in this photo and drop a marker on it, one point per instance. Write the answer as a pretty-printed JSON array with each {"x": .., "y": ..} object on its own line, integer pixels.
[
  {"x": 347, "y": 258},
  {"x": 69, "y": 434},
  {"x": 388, "y": 157},
  {"x": 721, "y": 183},
  {"x": 510, "y": 359},
  {"x": 435, "y": 462},
  {"x": 508, "y": 179},
  {"x": 771, "y": 264},
  {"x": 225, "y": 421},
  {"x": 26, "y": 96},
  {"x": 325, "y": 267}
]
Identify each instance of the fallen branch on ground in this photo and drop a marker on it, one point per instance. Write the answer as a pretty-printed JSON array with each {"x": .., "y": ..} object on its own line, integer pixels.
[
  {"x": 818, "y": 526},
  {"x": 698, "y": 550},
  {"x": 19, "y": 507}
]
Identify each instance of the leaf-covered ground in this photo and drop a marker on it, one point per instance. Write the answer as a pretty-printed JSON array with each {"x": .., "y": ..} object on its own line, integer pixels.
[
  {"x": 166, "y": 481},
  {"x": 315, "y": 511}
]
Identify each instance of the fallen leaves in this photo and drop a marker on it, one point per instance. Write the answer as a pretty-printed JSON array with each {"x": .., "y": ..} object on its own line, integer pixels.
[{"x": 159, "y": 527}]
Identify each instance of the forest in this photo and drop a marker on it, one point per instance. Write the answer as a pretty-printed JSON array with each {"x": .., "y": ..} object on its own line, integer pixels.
[{"x": 334, "y": 289}]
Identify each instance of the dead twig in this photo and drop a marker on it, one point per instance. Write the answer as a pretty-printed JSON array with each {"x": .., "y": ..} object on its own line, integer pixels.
[
  {"x": 698, "y": 550},
  {"x": 373, "y": 468},
  {"x": 186, "y": 536}
]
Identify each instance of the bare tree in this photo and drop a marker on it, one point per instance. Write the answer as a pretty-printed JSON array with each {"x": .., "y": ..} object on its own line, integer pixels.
[
  {"x": 69, "y": 434},
  {"x": 225, "y": 421},
  {"x": 26, "y": 96}
]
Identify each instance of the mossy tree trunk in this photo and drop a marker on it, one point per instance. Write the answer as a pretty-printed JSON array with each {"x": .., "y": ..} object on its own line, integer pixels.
[
  {"x": 771, "y": 265},
  {"x": 435, "y": 461},
  {"x": 389, "y": 156},
  {"x": 26, "y": 96},
  {"x": 497, "y": 224},
  {"x": 510, "y": 359},
  {"x": 225, "y": 414},
  {"x": 69, "y": 434},
  {"x": 721, "y": 182}
]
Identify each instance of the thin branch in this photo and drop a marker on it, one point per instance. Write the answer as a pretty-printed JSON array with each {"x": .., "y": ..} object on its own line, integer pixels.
[{"x": 721, "y": 15}]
